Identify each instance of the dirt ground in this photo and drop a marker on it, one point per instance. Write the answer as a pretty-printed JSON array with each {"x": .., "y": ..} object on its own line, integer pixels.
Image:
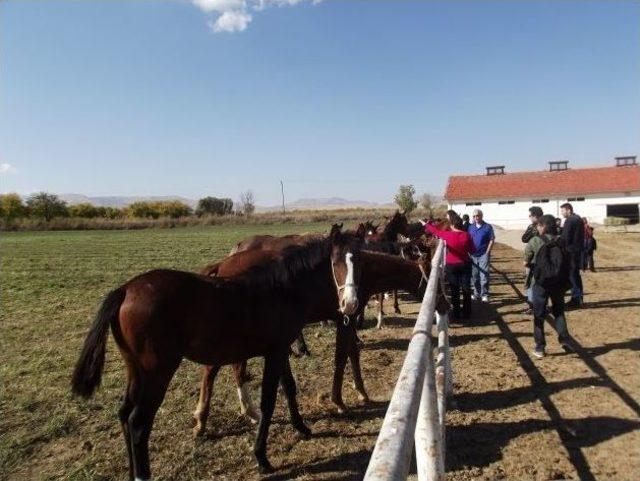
[{"x": 512, "y": 416}]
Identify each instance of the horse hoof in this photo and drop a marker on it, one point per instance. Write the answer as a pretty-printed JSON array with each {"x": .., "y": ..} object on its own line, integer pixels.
[
  {"x": 198, "y": 431},
  {"x": 304, "y": 432},
  {"x": 363, "y": 398},
  {"x": 265, "y": 468}
]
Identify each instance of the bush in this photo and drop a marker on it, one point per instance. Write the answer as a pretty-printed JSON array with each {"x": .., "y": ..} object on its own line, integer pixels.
[
  {"x": 142, "y": 210},
  {"x": 11, "y": 207},
  {"x": 214, "y": 206},
  {"x": 85, "y": 210},
  {"x": 173, "y": 209}
]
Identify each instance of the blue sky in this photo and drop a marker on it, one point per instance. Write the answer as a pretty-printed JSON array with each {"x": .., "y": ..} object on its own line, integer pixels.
[{"x": 338, "y": 98}]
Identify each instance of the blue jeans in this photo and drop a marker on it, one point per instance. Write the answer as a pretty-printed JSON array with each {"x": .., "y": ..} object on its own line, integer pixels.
[{"x": 480, "y": 275}]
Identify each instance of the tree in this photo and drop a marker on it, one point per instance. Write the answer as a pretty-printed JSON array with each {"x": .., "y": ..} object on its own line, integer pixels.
[
  {"x": 404, "y": 198},
  {"x": 427, "y": 201},
  {"x": 11, "y": 207},
  {"x": 47, "y": 206},
  {"x": 85, "y": 209},
  {"x": 247, "y": 202},
  {"x": 214, "y": 206}
]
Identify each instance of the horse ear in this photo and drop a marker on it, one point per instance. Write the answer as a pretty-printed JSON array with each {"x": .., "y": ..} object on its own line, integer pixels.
[
  {"x": 335, "y": 232},
  {"x": 360, "y": 233}
]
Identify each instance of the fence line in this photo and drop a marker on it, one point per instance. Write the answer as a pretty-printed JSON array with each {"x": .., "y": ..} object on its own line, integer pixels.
[{"x": 416, "y": 411}]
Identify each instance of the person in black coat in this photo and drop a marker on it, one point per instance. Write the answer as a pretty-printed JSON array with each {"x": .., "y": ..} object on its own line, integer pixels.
[
  {"x": 535, "y": 213},
  {"x": 465, "y": 222},
  {"x": 573, "y": 237}
]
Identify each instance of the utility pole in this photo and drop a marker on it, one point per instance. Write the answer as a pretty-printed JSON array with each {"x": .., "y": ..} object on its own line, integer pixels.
[{"x": 282, "y": 190}]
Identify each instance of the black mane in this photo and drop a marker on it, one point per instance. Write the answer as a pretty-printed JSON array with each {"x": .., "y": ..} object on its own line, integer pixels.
[{"x": 281, "y": 273}]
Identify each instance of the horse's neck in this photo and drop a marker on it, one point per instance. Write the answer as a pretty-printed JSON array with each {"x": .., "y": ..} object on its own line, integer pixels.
[
  {"x": 382, "y": 272},
  {"x": 391, "y": 231}
]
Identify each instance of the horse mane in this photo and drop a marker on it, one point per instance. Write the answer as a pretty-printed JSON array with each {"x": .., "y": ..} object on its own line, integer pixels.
[{"x": 283, "y": 271}]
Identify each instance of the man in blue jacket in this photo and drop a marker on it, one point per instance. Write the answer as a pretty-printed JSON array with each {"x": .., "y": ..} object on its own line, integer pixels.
[{"x": 483, "y": 239}]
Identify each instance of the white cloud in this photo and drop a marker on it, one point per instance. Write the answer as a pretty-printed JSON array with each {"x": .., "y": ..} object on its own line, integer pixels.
[
  {"x": 231, "y": 21},
  {"x": 8, "y": 169},
  {"x": 235, "y": 15}
]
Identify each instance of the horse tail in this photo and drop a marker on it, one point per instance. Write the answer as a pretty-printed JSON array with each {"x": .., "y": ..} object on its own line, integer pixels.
[{"x": 88, "y": 371}]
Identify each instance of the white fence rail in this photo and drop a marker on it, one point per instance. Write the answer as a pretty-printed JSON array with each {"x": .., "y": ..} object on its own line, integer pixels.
[{"x": 416, "y": 413}]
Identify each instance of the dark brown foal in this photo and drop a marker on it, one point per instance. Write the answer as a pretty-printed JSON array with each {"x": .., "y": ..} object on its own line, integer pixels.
[{"x": 163, "y": 316}]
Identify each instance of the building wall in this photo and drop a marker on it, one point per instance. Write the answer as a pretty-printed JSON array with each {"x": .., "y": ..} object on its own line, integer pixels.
[{"x": 516, "y": 215}]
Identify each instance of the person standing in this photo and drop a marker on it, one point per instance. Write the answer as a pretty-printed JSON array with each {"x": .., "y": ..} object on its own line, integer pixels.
[
  {"x": 458, "y": 263},
  {"x": 535, "y": 213},
  {"x": 465, "y": 222},
  {"x": 548, "y": 283},
  {"x": 590, "y": 246},
  {"x": 483, "y": 239},
  {"x": 573, "y": 237}
]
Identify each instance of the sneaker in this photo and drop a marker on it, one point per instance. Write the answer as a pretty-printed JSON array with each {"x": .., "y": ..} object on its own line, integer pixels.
[
  {"x": 485, "y": 299},
  {"x": 539, "y": 353},
  {"x": 574, "y": 303}
]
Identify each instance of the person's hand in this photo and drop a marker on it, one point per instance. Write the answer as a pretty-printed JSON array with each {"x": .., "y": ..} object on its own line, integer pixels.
[{"x": 422, "y": 222}]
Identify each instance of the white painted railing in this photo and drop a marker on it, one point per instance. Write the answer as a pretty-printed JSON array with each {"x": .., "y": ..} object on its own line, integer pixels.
[{"x": 416, "y": 413}]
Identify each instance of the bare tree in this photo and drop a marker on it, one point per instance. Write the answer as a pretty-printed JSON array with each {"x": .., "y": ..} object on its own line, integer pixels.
[
  {"x": 247, "y": 202},
  {"x": 427, "y": 202}
]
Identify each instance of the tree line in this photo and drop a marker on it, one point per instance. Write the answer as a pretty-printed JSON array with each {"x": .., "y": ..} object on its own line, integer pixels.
[{"x": 46, "y": 206}]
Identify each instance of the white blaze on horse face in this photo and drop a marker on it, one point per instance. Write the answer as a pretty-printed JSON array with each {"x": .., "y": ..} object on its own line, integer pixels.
[{"x": 350, "y": 294}]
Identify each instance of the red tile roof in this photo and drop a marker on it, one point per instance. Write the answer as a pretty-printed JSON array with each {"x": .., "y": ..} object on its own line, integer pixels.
[{"x": 576, "y": 182}]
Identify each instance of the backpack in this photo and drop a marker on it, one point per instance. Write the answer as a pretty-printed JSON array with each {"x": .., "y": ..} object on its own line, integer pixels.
[{"x": 551, "y": 269}]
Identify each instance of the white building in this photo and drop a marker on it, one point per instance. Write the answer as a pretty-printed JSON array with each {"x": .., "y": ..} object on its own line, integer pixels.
[{"x": 505, "y": 198}]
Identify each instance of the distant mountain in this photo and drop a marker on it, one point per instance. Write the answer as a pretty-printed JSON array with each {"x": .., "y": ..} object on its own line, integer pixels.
[
  {"x": 326, "y": 203},
  {"x": 122, "y": 201}
]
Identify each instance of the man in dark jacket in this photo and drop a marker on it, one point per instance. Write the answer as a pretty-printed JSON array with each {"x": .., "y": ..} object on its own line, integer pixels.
[
  {"x": 573, "y": 236},
  {"x": 535, "y": 213},
  {"x": 540, "y": 295},
  {"x": 465, "y": 222}
]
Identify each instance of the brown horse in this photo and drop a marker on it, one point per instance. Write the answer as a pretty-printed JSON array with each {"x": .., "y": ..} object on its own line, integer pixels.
[
  {"x": 163, "y": 316},
  {"x": 379, "y": 271}
]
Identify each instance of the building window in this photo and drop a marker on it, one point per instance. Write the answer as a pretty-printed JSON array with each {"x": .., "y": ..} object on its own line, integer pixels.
[
  {"x": 506, "y": 202},
  {"x": 473, "y": 203},
  {"x": 542, "y": 201},
  {"x": 539, "y": 201},
  {"x": 575, "y": 199}
]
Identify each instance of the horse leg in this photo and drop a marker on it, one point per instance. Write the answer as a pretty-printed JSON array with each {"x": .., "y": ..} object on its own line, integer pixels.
[
  {"x": 342, "y": 346},
  {"x": 354, "y": 359},
  {"x": 380, "y": 310},
  {"x": 396, "y": 306},
  {"x": 242, "y": 380},
  {"x": 300, "y": 346},
  {"x": 289, "y": 387},
  {"x": 273, "y": 364},
  {"x": 123, "y": 413},
  {"x": 201, "y": 413},
  {"x": 147, "y": 398}
]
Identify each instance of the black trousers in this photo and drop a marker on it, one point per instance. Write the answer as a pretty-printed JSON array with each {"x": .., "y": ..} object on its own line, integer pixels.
[
  {"x": 575, "y": 261},
  {"x": 540, "y": 297},
  {"x": 458, "y": 276}
]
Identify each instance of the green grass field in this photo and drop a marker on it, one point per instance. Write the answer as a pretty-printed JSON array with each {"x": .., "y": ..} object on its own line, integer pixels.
[{"x": 52, "y": 284}]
